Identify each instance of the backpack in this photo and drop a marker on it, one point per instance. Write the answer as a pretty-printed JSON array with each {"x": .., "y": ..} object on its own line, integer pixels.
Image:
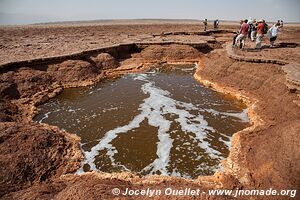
[{"x": 265, "y": 28}]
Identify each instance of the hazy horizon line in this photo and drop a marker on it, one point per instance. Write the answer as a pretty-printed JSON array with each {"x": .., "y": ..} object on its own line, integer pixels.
[{"x": 128, "y": 19}]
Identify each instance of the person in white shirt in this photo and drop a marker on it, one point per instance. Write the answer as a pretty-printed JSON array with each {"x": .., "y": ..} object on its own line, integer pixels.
[{"x": 272, "y": 33}]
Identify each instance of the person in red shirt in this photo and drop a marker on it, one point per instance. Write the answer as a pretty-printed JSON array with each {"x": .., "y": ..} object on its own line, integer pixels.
[
  {"x": 243, "y": 34},
  {"x": 237, "y": 33},
  {"x": 260, "y": 34}
]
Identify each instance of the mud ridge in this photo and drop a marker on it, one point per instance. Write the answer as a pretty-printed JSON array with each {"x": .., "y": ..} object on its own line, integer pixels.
[
  {"x": 290, "y": 68},
  {"x": 112, "y": 49}
]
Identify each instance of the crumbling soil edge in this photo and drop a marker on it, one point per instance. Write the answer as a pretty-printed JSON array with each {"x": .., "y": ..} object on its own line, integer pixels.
[
  {"x": 232, "y": 55},
  {"x": 231, "y": 167},
  {"x": 289, "y": 68}
]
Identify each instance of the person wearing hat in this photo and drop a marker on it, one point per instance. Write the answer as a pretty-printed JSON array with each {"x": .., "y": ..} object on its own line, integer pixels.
[{"x": 259, "y": 34}]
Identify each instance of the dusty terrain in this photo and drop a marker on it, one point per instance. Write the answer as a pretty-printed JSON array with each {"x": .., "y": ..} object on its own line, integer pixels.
[{"x": 38, "y": 161}]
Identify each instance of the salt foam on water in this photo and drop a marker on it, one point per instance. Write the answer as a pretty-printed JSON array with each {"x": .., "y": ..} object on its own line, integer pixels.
[
  {"x": 154, "y": 108},
  {"x": 242, "y": 116}
]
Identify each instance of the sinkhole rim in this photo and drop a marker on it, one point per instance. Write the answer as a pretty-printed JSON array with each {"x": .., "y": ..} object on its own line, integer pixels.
[{"x": 220, "y": 167}]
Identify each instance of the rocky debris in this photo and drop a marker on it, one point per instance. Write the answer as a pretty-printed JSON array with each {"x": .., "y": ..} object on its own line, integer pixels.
[
  {"x": 34, "y": 153},
  {"x": 105, "y": 61}
]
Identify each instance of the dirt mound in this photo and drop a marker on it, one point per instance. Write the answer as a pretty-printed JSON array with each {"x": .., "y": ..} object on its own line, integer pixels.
[
  {"x": 169, "y": 53},
  {"x": 24, "y": 82},
  {"x": 105, "y": 61},
  {"x": 33, "y": 154},
  {"x": 31, "y": 81},
  {"x": 71, "y": 71},
  {"x": 27, "y": 81}
]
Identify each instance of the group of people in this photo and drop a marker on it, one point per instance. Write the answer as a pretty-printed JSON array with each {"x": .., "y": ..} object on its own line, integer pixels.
[
  {"x": 256, "y": 31},
  {"x": 216, "y": 24}
]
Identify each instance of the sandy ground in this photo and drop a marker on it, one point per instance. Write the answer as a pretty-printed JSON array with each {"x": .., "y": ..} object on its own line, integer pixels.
[
  {"x": 39, "y": 161},
  {"x": 21, "y": 43}
]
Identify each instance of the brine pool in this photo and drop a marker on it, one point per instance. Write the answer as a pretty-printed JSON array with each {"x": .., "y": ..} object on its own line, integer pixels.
[{"x": 158, "y": 122}]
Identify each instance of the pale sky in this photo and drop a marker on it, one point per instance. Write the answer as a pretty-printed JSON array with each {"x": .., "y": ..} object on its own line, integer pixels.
[{"x": 35, "y": 11}]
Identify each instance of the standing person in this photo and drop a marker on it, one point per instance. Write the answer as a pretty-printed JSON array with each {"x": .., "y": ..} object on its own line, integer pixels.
[
  {"x": 250, "y": 22},
  {"x": 243, "y": 34},
  {"x": 272, "y": 33},
  {"x": 260, "y": 34},
  {"x": 238, "y": 32},
  {"x": 253, "y": 30},
  {"x": 205, "y": 24},
  {"x": 215, "y": 24}
]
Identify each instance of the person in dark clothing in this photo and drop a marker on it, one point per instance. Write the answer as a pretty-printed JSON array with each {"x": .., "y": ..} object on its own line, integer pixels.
[
  {"x": 250, "y": 29},
  {"x": 253, "y": 30},
  {"x": 205, "y": 24},
  {"x": 216, "y": 24}
]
